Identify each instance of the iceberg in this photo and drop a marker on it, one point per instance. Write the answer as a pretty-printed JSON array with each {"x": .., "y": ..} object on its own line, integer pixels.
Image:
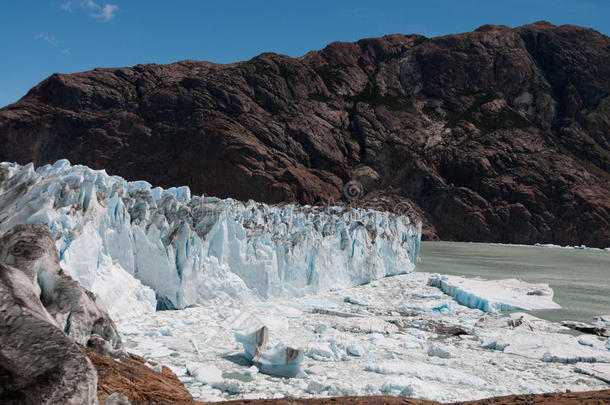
[
  {"x": 172, "y": 250},
  {"x": 279, "y": 360},
  {"x": 495, "y": 295}
]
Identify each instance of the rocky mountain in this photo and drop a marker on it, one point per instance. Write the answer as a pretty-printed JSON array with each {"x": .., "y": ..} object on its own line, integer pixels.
[{"x": 498, "y": 135}]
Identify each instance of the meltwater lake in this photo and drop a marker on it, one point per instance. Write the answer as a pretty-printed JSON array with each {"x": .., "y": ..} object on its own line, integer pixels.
[{"x": 580, "y": 278}]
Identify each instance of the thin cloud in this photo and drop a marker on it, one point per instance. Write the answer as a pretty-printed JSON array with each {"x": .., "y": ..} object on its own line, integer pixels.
[
  {"x": 107, "y": 12},
  {"x": 104, "y": 13},
  {"x": 49, "y": 39}
]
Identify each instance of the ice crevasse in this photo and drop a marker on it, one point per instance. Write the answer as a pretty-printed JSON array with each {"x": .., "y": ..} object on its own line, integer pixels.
[{"x": 139, "y": 248}]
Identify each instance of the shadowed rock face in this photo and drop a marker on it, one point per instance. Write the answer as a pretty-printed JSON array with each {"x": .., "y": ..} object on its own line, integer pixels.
[
  {"x": 74, "y": 309},
  {"x": 499, "y": 135},
  {"x": 39, "y": 363},
  {"x": 43, "y": 314}
]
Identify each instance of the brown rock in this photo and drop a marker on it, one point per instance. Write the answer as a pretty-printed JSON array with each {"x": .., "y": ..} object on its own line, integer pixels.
[
  {"x": 498, "y": 135},
  {"x": 130, "y": 377}
]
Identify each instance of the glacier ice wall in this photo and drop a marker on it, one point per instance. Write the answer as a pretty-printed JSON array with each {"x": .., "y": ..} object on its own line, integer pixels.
[{"x": 138, "y": 247}]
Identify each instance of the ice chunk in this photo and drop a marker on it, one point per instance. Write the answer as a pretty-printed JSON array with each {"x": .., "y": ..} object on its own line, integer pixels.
[
  {"x": 315, "y": 387},
  {"x": 206, "y": 374},
  {"x": 354, "y": 349},
  {"x": 437, "y": 351},
  {"x": 320, "y": 351},
  {"x": 338, "y": 347},
  {"x": 495, "y": 295},
  {"x": 212, "y": 376},
  {"x": 229, "y": 386},
  {"x": 280, "y": 360},
  {"x": 254, "y": 342},
  {"x": 251, "y": 371}
]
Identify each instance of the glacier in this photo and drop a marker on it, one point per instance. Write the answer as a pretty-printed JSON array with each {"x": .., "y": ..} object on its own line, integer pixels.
[{"x": 141, "y": 248}]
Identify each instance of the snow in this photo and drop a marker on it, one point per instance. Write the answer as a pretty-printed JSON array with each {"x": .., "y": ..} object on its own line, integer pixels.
[
  {"x": 495, "y": 295},
  {"x": 139, "y": 247}
]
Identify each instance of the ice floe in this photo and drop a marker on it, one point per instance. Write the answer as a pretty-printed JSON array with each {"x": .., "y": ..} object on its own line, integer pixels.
[
  {"x": 549, "y": 347},
  {"x": 495, "y": 295}
]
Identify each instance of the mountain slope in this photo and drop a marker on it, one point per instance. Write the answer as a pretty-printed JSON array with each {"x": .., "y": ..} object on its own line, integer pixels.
[{"x": 499, "y": 135}]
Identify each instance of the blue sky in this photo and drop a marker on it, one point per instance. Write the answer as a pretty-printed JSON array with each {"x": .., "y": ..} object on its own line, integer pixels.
[{"x": 39, "y": 38}]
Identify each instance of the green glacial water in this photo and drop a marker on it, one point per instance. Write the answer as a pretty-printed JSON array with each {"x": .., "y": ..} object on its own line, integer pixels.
[{"x": 580, "y": 278}]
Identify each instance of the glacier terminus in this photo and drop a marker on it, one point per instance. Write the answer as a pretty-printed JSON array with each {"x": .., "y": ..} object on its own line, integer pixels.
[{"x": 140, "y": 248}]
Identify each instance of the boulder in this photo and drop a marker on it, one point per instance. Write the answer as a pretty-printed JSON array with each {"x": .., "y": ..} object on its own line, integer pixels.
[{"x": 39, "y": 363}]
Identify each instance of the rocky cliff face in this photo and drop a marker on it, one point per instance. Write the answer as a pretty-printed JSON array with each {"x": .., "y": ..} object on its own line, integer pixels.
[{"x": 499, "y": 135}]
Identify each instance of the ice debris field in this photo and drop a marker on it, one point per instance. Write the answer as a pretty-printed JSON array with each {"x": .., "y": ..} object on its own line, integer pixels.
[
  {"x": 394, "y": 336},
  {"x": 257, "y": 300}
]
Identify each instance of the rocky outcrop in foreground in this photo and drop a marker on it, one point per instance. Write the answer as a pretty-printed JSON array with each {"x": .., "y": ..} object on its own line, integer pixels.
[
  {"x": 497, "y": 135},
  {"x": 137, "y": 379},
  {"x": 44, "y": 316}
]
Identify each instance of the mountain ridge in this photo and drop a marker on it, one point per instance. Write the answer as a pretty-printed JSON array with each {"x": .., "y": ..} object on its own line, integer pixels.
[{"x": 496, "y": 135}]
